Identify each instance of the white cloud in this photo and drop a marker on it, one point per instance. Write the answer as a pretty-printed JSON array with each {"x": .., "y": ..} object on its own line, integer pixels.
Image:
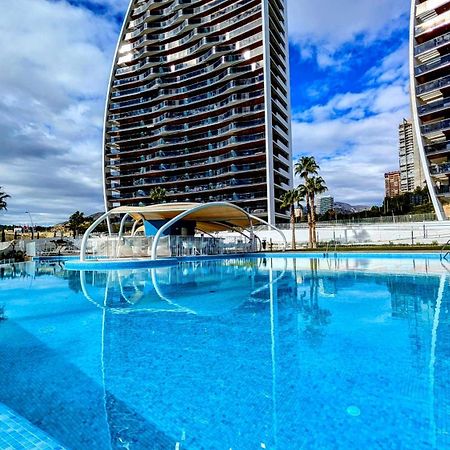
[
  {"x": 323, "y": 28},
  {"x": 354, "y": 136},
  {"x": 52, "y": 92}
]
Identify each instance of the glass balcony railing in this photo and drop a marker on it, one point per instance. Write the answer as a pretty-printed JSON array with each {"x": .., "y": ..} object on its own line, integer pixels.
[
  {"x": 440, "y": 83},
  {"x": 187, "y": 101},
  {"x": 442, "y": 189},
  {"x": 230, "y": 71},
  {"x": 198, "y": 22},
  {"x": 234, "y": 182},
  {"x": 192, "y": 137},
  {"x": 161, "y": 154},
  {"x": 442, "y": 147},
  {"x": 434, "y": 64},
  {"x": 438, "y": 126},
  {"x": 198, "y": 176},
  {"x": 249, "y": 110},
  {"x": 443, "y": 168},
  {"x": 191, "y": 164},
  {"x": 189, "y": 112},
  {"x": 165, "y": 12},
  {"x": 435, "y": 106},
  {"x": 433, "y": 43}
]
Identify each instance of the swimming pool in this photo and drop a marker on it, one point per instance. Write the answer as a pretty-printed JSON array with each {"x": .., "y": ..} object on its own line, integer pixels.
[{"x": 275, "y": 353}]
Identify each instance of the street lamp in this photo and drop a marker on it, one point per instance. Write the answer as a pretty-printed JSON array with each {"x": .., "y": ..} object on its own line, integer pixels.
[{"x": 32, "y": 225}]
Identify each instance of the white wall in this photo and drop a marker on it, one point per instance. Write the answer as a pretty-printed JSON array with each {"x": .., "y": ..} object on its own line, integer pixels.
[{"x": 401, "y": 233}]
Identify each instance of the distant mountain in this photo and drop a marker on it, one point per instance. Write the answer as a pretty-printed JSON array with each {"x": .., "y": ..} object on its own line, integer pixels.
[{"x": 346, "y": 208}]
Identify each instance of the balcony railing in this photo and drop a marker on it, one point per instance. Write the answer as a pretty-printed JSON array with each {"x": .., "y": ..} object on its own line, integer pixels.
[
  {"x": 185, "y": 139},
  {"x": 433, "y": 43},
  {"x": 189, "y": 113},
  {"x": 442, "y": 189},
  {"x": 436, "y": 169},
  {"x": 435, "y": 106},
  {"x": 435, "y": 64},
  {"x": 438, "y": 126},
  {"x": 141, "y": 193},
  {"x": 440, "y": 83},
  {"x": 198, "y": 176},
  {"x": 230, "y": 71},
  {"x": 160, "y": 154},
  {"x": 442, "y": 147},
  {"x": 233, "y": 155},
  {"x": 187, "y": 101},
  {"x": 234, "y": 112}
]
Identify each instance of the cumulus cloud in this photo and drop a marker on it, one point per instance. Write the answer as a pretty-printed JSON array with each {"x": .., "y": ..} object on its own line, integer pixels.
[
  {"x": 52, "y": 92},
  {"x": 323, "y": 29},
  {"x": 354, "y": 135}
]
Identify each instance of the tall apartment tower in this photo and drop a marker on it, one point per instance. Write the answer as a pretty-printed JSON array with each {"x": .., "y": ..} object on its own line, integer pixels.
[
  {"x": 392, "y": 184},
  {"x": 430, "y": 95},
  {"x": 411, "y": 175},
  {"x": 198, "y": 105}
]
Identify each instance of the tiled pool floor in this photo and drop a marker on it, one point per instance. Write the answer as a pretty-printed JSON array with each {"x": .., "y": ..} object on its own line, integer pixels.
[{"x": 17, "y": 433}]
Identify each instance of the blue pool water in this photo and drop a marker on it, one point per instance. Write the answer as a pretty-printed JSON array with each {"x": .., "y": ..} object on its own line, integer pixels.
[{"x": 232, "y": 354}]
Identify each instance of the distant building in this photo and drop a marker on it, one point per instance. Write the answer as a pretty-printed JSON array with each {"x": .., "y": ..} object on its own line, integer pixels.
[
  {"x": 411, "y": 174},
  {"x": 392, "y": 184},
  {"x": 325, "y": 204}
]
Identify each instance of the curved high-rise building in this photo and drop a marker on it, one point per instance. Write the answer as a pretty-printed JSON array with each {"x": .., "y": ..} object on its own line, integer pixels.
[
  {"x": 198, "y": 105},
  {"x": 430, "y": 94}
]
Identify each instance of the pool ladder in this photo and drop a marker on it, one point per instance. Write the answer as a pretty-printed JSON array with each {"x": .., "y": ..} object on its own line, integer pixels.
[
  {"x": 445, "y": 254},
  {"x": 327, "y": 251}
]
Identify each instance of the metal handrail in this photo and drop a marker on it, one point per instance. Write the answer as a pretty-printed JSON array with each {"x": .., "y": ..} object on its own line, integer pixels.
[{"x": 447, "y": 253}]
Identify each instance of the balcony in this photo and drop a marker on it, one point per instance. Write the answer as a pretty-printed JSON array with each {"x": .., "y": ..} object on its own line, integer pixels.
[
  {"x": 436, "y": 169},
  {"x": 443, "y": 189},
  {"x": 442, "y": 147},
  {"x": 234, "y": 140},
  {"x": 428, "y": 6},
  {"x": 432, "y": 44},
  {"x": 440, "y": 83},
  {"x": 436, "y": 127},
  {"x": 232, "y": 183},
  {"x": 433, "y": 65},
  {"x": 196, "y": 177},
  {"x": 192, "y": 138},
  {"x": 191, "y": 164},
  {"x": 211, "y": 120},
  {"x": 434, "y": 106},
  {"x": 432, "y": 24},
  {"x": 177, "y": 91}
]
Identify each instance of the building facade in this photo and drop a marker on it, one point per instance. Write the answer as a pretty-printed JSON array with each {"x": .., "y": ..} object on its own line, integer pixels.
[
  {"x": 430, "y": 95},
  {"x": 198, "y": 105},
  {"x": 326, "y": 204},
  {"x": 411, "y": 175},
  {"x": 392, "y": 184}
]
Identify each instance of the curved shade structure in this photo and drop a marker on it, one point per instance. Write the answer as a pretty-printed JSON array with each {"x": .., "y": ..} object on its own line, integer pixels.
[
  {"x": 198, "y": 105},
  {"x": 430, "y": 95},
  {"x": 206, "y": 217}
]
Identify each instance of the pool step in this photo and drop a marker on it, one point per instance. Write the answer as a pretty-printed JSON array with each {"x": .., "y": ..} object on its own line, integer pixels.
[{"x": 17, "y": 433}]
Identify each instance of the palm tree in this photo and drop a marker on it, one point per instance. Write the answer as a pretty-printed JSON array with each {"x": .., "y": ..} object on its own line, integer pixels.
[
  {"x": 3, "y": 197},
  {"x": 158, "y": 195},
  {"x": 314, "y": 186},
  {"x": 305, "y": 168},
  {"x": 289, "y": 200}
]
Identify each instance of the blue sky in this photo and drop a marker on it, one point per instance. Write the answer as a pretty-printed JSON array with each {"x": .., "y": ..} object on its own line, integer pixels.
[{"x": 349, "y": 77}]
